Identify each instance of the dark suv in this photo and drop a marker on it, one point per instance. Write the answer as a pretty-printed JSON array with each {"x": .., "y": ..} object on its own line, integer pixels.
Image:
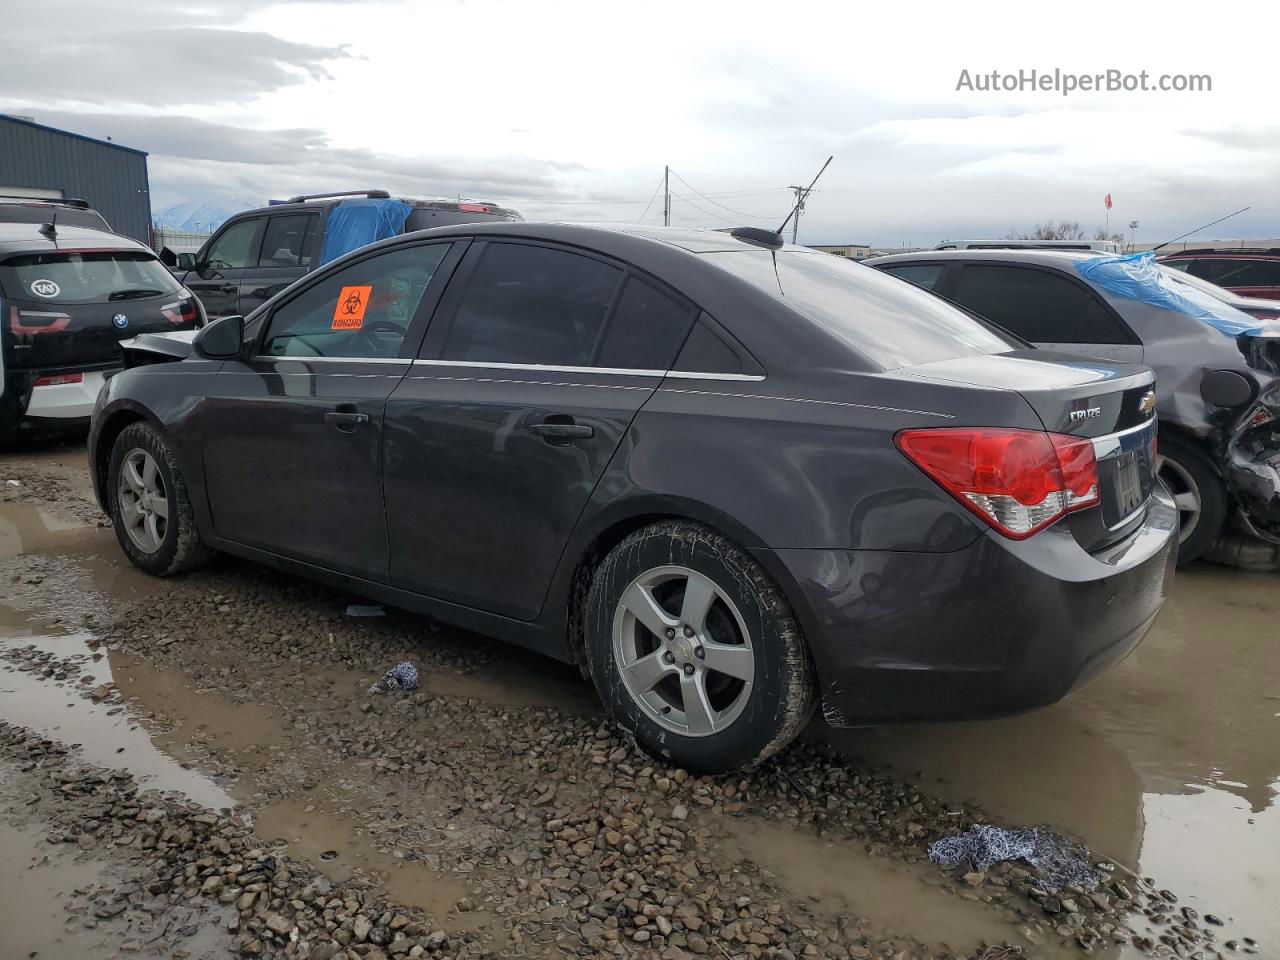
[
  {"x": 1250, "y": 272},
  {"x": 63, "y": 213},
  {"x": 256, "y": 254}
]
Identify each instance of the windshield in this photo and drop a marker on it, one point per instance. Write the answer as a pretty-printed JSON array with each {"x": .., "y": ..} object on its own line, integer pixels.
[
  {"x": 87, "y": 277},
  {"x": 890, "y": 321}
]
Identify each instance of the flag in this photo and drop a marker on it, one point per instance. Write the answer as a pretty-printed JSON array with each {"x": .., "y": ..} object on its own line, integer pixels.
[{"x": 1107, "y": 201}]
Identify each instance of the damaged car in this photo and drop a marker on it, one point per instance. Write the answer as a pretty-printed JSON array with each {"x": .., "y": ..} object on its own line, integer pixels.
[
  {"x": 731, "y": 479},
  {"x": 1217, "y": 367}
]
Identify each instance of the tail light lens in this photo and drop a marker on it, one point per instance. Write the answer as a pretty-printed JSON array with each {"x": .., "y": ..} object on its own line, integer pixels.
[
  {"x": 183, "y": 312},
  {"x": 1018, "y": 481},
  {"x": 58, "y": 380},
  {"x": 31, "y": 322}
]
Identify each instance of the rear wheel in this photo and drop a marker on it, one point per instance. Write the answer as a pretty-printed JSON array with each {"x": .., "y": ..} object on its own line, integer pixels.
[
  {"x": 695, "y": 650},
  {"x": 150, "y": 509},
  {"x": 1199, "y": 493}
]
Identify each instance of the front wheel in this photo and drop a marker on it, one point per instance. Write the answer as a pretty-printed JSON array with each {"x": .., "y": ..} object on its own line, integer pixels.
[
  {"x": 695, "y": 650},
  {"x": 150, "y": 509}
]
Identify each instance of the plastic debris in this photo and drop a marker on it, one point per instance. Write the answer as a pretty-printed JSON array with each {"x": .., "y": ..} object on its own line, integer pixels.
[
  {"x": 1058, "y": 860},
  {"x": 365, "y": 610},
  {"x": 403, "y": 676}
]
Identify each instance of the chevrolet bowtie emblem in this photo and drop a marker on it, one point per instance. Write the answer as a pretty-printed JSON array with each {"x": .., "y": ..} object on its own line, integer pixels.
[{"x": 1148, "y": 402}]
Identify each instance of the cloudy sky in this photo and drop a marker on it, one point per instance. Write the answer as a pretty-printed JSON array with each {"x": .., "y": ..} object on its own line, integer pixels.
[{"x": 569, "y": 110}]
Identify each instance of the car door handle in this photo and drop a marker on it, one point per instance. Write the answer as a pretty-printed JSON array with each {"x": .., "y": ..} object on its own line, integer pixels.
[
  {"x": 346, "y": 420},
  {"x": 227, "y": 288},
  {"x": 562, "y": 432}
]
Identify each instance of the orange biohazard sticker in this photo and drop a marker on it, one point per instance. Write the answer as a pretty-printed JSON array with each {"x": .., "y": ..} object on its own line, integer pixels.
[{"x": 348, "y": 312}]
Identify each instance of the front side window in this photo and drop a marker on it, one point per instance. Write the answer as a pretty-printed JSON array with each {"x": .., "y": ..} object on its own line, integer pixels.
[
  {"x": 233, "y": 248},
  {"x": 924, "y": 275},
  {"x": 528, "y": 304},
  {"x": 892, "y": 324},
  {"x": 91, "y": 277},
  {"x": 286, "y": 241},
  {"x": 363, "y": 311},
  {"x": 1037, "y": 305}
]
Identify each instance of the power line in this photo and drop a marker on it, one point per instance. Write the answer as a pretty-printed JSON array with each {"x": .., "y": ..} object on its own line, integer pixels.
[
  {"x": 739, "y": 213},
  {"x": 714, "y": 216},
  {"x": 650, "y": 203}
]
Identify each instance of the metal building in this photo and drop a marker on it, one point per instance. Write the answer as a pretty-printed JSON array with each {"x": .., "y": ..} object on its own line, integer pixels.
[{"x": 45, "y": 162}]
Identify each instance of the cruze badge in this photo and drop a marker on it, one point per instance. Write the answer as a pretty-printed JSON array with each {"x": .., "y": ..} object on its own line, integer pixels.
[
  {"x": 1148, "y": 402},
  {"x": 1085, "y": 413}
]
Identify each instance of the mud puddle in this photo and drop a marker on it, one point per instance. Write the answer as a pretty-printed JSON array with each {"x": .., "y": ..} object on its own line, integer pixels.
[
  {"x": 1167, "y": 763},
  {"x": 900, "y": 901},
  {"x": 35, "y": 885}
]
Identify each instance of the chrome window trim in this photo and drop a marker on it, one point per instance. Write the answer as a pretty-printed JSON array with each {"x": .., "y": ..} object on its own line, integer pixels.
[
  {"x": 292, "y": 359},
  {"x": 615, "y": 371}
]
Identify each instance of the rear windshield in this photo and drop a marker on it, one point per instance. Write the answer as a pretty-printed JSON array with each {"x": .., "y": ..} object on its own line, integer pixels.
[
  {"x": 890, "y": 321},
  {"x": 64, "y": 216},
  {"x": 89, "y": 277}
]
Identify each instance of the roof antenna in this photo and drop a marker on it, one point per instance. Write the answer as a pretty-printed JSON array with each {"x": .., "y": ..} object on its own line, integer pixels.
[
  {"x": 1198, "y": 229},
  {"x": 772, "y": 239},
  {"x": 50, "y": 229}
]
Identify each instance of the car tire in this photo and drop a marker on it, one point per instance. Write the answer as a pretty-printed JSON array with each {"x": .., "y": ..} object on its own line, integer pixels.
[
  {"x": 1199, "y": 492},
  {"x": 149, "y": 505},
  {"x": 731, "y": 690}
]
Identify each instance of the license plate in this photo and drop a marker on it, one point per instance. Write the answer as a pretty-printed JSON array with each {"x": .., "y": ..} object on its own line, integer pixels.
[{"x": 1128, "y": 483}]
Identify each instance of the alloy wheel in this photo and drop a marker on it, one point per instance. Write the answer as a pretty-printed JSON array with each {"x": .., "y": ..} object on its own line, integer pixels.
[
  {"x": 143, "y": 502},
  {"x": 1186, "y": 494},
  {"x": 683, "y": 651}
]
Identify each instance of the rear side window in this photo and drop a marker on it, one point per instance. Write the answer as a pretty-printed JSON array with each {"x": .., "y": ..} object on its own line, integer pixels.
[
  {"x": 892, "y": 324},
  {"x": 924, "y": 275},
  {"x": 527, "y": 304},
  {"x": 90, "y": 277},
  {"x": 705, "y": 352},
  {"x": 362, "y": 311},
  {"x": 1226, "y": 272},
  {"x": 234, "y": 247},
  {"x": 1037, "y": 305},
  {"x": 646, "y": 329},
  {"x": 287, "y": 241}
]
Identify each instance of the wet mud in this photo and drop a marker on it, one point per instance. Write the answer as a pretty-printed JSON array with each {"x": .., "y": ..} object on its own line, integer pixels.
[{"x": 496, "y": 803}]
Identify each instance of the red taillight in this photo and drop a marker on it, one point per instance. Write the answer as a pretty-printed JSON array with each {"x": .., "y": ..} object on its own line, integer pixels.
[
  {"x": 473, "y": 208},
  {"x": 24, "y": 322},
  {"x": 182, "y": 312},
  {"x": 1018, "y": 481},
  {"x": 58, "y": 380}
]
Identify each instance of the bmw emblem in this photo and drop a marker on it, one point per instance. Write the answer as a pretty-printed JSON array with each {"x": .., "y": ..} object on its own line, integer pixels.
[{"x": 120, "y": 321}]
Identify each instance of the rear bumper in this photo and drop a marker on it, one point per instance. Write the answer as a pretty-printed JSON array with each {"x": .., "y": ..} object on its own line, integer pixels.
[
  {"x": 25, "y": 407},
  {"x": 997, "y": 627}
]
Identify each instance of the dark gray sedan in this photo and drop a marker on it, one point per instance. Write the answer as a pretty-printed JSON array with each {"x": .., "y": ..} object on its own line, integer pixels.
[{"x": 731, "y": 480}]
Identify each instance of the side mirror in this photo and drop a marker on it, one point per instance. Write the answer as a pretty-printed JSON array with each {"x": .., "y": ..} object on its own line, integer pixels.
[
  {"x": 221, "y": 339},
  {"x": 186, "y": 261}
]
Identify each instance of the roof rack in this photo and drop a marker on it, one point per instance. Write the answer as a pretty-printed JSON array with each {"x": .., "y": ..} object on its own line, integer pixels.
[
  {"x": 61, "y": 201},
  {"x": 371, "y": 194}
]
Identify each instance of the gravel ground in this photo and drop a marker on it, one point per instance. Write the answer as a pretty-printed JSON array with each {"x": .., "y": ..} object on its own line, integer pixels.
[{"x": 490, "y": 813}]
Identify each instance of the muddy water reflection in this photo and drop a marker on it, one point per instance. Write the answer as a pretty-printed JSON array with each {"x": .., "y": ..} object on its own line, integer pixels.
[{"x": 1168, "y": 763}]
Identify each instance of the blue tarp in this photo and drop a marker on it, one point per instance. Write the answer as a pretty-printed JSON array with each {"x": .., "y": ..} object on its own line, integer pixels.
[
  {"x": 1137, "y": 276},
  {"x": 354, "y": 223}
]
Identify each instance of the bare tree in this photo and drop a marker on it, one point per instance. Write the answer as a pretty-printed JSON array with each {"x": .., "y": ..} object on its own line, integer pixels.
[
  {"x": 1066, "y": 230},
  {"x": 1101, "y": 234}
]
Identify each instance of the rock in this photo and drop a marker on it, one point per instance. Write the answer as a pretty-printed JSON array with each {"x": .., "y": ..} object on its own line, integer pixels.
[
  {"x": 360, "y": 928},
  {"x": 465, "y": 905},
  {"x": 680, "y": 812},
  {"x": 277, "y": 924}
]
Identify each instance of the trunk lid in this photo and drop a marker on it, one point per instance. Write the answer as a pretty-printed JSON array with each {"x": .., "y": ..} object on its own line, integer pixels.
[{"x": 1110, "y": 403}]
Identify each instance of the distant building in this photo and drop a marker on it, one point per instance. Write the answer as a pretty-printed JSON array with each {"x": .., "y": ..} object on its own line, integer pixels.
[
  {"x": 48, "y": 163},
  {"x": 853, "y": 251}
]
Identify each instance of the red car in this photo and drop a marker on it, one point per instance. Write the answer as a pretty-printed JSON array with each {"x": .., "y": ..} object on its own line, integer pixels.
[{"x": 1249, "y": 272}]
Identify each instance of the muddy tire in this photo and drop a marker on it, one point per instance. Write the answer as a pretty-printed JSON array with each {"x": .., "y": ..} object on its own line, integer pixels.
[
  {"x": 695, "y": 650},
  {"x": 149, "y": 505},
  {"x": 1199, "y": 492}
]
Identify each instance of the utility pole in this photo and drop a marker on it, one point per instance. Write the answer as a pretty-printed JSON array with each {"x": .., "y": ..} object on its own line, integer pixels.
[
  {"x": 666, "y": 196},
  {"x": 1133, "y": 232},
  {"x": 801, "y": 194}
]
